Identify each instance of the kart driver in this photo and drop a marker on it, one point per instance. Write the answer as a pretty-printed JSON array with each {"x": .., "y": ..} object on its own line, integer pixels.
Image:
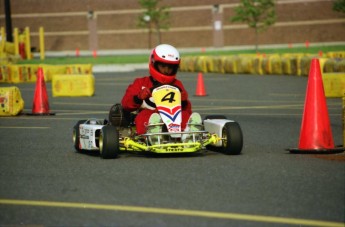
[{"x": 164, "y": 62}]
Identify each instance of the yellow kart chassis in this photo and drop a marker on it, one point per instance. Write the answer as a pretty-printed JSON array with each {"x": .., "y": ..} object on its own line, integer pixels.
[{"x": 129, "y": 144}]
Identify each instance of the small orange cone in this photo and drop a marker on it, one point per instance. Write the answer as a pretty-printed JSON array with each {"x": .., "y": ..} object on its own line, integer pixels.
[
  {"x": 40, "y": 102},
  {"x": 307, "y": 44},
  {"x": 316, "y": 134},
  {"x": 200, "y": 88}
]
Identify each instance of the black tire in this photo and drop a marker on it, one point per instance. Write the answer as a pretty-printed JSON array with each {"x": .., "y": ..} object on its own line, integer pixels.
[
  {"x": 232, "y": 138},
  {"x": 109, "y": 145},
  {"x": 215, "y": 116},
  {"x": 76, "y": 135}
]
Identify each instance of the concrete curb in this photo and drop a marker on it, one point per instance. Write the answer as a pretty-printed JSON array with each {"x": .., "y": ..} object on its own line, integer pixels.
[
  {"x": 119, "y": 52},
  {"x": 118, "y": 68}
]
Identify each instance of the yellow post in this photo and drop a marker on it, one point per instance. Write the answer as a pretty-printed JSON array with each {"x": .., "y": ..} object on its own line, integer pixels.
[
  {"x": 343, "y": 120},
  {"x": 16, "y": 41},
  {"x": 27, "y": 43},
  {"x": 42, "y": 55},
  {"x": 3, "y": 40}
]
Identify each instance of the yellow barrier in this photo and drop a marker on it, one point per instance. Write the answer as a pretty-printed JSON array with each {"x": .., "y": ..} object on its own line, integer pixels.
[
  {"x": 51, "y": 70},
  {"x": 276, "y": 64},
  {"x": 191, "y": 64},
  {"x": 336, "y": 54},
  {"x": 217, "y": 63},
  {"x": 200, "y": 64},
  {"x": 257, "y": 63},
  {"x": 23, "y": 73},
  {"x": 328, "y": 66},
  {"x": 14, "y": 73},
  {"x": 295, "y": 63},
  {"x": 334, "y": 84},
  {"x": 5, "y": 73},
  {"x": 183, "y": 67},
  {"x": 339, "y": 65},
  {"x": 78, "y": 69},
  {"x": 246, "y": 64},
  {"x": 305, "y": 65},
  {"x": 188, "y": 64},
  {"x": 209, "y": 64},
  {"x": 289, "y": 65},
  {"x": 11, "y": 102},
  {"x": 73, "y": 85},
  {"x": 231, "y": 64},
  {"x": 271, "y": 65}
]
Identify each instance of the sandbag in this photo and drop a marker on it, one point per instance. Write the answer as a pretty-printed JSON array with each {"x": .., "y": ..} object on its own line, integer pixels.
[
  {"x": 73, "y": 85},
  {"x": 334, "y": 84},
  {"x": 11, "y": 102}
]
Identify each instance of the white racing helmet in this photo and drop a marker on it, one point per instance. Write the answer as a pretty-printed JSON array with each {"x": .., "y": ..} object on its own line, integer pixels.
[{"x": 164, "y": 54}]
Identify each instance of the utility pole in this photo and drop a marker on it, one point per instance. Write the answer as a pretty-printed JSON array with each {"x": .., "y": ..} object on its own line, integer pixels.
[
  {"x": 9, "y": 37},
  {"x": 92, "y": 24},
  {"x": 218, "y": 39}
]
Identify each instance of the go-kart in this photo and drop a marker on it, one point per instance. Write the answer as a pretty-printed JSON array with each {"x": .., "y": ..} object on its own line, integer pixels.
[{"x": 118, "y": 134}]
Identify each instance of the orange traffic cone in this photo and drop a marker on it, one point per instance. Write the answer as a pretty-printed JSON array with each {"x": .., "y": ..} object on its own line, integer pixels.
[
  {"x": 40, "y": 102},
  {"x": 200, "y": 88},
  {"x": 316, "y": 134}
]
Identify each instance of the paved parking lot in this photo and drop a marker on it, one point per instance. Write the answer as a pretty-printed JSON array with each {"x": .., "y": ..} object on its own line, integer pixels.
[{"x": 43, "y": 181}]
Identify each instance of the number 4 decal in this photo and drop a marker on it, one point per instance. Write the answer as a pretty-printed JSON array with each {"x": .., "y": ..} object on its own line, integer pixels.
[{"x": 169, "y": 97}]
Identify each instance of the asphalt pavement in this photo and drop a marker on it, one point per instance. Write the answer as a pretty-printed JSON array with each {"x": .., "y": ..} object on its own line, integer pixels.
[{"x": 44, "y": 181}]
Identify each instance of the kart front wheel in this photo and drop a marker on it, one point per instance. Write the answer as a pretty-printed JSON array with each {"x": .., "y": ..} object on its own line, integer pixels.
[
  {"x": 109, "y": 142},
  {"x": 76, "y": 135},
  {"x": 232, "y": 138}
]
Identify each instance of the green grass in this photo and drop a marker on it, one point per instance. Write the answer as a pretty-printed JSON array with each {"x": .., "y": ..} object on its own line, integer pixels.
[
  {"x": 311, "y": 50},
  {"x": 141, "y": 58}
]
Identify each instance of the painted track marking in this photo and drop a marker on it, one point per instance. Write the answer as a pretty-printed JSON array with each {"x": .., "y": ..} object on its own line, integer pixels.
[
  {"x": 23, "y": 127},
  {"x": 177, "y": 212}
]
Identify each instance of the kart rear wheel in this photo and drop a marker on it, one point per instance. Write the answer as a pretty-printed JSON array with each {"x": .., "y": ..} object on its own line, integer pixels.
[
  {"x": 76, "y": 135},
  {"x": 232, "y": 138},
  {"x": 109, "y": 142}
]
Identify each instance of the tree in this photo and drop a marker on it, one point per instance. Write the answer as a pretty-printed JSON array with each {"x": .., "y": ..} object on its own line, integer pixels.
[
  {"x": 258, "y": 14},
  {"x": 154, "y": 18},
  {"x": 339, "y": 5}
]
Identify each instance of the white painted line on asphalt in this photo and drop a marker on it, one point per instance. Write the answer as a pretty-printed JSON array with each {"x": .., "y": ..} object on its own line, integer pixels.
[{"x": 22, "y": 127}]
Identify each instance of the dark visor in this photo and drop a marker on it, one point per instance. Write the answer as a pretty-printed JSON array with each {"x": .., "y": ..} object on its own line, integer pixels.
[{"x": 173, "y": 67}]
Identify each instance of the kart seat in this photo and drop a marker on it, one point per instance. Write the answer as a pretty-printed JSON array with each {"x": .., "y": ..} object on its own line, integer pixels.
[{"x": 120, "y": 117}]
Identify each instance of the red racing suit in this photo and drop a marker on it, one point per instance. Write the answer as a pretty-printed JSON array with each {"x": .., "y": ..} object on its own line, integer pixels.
[{"x": 130, "y": 102}]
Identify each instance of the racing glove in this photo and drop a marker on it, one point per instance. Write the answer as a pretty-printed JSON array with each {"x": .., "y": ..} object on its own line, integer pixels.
[{"x": 144, "y": 93}]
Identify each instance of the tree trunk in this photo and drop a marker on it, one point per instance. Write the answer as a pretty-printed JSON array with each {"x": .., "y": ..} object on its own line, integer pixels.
[
  {"x": 150, "y": 34},
  {"x": 159, "y": 38}
]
